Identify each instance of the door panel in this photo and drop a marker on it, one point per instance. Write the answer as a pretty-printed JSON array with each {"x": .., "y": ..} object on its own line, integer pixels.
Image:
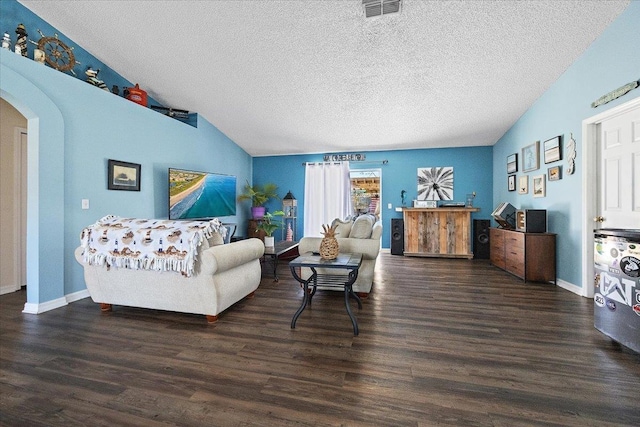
[{"x": 620, "y": 171}]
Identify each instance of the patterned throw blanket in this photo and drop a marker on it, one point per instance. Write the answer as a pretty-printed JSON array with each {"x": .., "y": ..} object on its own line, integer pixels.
[{"x": 151, "y": 244}]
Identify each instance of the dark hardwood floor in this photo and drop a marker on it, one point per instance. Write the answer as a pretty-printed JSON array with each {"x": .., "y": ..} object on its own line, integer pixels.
[{"x": 442, "y": 342}]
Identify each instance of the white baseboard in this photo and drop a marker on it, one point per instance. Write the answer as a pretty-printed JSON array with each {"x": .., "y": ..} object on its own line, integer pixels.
[
  {"x": 570, "y": 287},
  {"x": 77, "y": 296},
  {"x": 8, "y": 289},
  {"x": 30, "y": 308}
]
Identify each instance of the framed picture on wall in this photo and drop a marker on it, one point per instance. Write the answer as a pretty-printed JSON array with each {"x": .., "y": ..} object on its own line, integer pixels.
[
  {"x": 123, "y": 176},
  {"x": 531, "y": 157},
  {"x": 512, "y": 163},
  {"x": 539, "y": 189},
  {"x": 552, "y": 150},
  {"x": 523, "y": 184},
  {"x": 554, "y": 173},
  {"x": 511, "y": 183}
]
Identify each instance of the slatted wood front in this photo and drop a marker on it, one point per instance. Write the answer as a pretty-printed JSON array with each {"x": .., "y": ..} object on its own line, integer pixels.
[{"x": 438, "y": 232}]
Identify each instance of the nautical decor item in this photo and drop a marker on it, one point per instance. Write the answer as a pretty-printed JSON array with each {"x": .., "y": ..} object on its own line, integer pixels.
[
  {"x": 135, "y": 94},
  {"x": 92, "y": 79},
  {"x": 6, "y": 41},
  {"x": 571, "y": 155},
  {"x": 329, "y": 248},
  {"x": 21, "y": 41},
  {"x": 57, "y": 55}
]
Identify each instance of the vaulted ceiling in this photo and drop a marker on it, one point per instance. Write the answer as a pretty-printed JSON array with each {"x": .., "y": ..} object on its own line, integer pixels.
[{"x": 297, "y": 76}]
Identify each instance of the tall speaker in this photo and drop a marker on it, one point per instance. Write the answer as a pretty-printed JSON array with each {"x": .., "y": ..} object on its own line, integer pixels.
[
  {"x": 397, "y": 236},
  {"x": 481, "y": 238}
]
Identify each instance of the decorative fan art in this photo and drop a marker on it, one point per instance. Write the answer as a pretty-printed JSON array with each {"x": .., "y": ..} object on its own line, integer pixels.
[{"x": 435, "y": 183}]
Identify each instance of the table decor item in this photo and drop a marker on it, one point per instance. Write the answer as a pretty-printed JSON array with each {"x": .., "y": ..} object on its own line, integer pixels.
[
  {"x": 329, "y": 248},
  {"x": 268, "y": 225}
]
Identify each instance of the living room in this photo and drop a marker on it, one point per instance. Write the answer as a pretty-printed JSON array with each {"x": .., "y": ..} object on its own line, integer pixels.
[
  {"x": 74, "y": 128},
  {"x": 85, "y": 127}
]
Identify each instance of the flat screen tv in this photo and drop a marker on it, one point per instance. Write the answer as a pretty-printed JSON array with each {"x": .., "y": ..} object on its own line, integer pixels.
[{"x": 200, "y": 195}]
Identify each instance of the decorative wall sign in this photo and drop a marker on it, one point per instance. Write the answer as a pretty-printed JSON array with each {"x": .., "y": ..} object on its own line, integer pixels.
[
  {"x": 523, "y": 184},
  {"x": 555, "y": 173},
  {"x": 615, "y": 94},
  {"x": 531, "y": 157},
  {"x": 539, "y": 189},
  {"x": 435, "y": 183},
  {"x": 512, "y": 163},
  {"x": 571, "y": 155},
  {"x": 344, "y": 157},
  {"x": 123, "y": 176},
  {"x": 552, "y": 150},
  {"x": 512, "y": 183}
]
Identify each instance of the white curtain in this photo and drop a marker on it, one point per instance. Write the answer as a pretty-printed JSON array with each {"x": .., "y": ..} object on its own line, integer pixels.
[{"x": 327, "y": 195}]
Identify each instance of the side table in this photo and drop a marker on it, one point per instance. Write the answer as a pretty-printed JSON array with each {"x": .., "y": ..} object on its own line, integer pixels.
[
  {"x": 275, "y": 252},
  {"x": 344, "y": 261}
]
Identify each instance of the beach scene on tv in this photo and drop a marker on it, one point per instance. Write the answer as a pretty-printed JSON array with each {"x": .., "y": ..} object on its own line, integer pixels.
[{"x": 200, "y": 195}]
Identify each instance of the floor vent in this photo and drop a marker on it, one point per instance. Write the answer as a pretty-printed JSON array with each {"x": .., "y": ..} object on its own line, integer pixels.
[{"x": 373, "y": 8}]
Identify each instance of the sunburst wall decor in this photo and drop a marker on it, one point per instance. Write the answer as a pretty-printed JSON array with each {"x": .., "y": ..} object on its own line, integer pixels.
[{"x": 435, "y": 183}]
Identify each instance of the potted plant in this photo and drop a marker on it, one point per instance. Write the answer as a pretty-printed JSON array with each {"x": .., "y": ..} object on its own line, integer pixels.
[
  {"x": 268, "y": 225},
  {"x": 258, "y": 195}
]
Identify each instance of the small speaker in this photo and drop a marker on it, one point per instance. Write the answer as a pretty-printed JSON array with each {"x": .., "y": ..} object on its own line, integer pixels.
[
  {"x": 397, "y": 236},
  {"x": 481, "y": 238}
]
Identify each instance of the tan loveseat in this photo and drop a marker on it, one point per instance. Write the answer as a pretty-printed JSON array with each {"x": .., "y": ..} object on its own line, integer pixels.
[
  {"x": 360, "y": 236},
  {"x": 223, "y": 274}
]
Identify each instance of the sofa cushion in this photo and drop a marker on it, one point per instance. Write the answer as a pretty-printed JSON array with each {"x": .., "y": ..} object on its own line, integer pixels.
[
  {"x": 343, "y": 228},
  {"x": 362, "y": 226}
]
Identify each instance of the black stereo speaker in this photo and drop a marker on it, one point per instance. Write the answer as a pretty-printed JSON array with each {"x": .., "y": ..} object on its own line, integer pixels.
[
  {"x": 481, "y": 238},
  {"x": 397, "y": 236}
]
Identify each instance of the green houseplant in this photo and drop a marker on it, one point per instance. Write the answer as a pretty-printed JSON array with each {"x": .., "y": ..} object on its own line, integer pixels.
[
  {"x": 268, "y": 225},
  {"x": 259, "y": 195}
]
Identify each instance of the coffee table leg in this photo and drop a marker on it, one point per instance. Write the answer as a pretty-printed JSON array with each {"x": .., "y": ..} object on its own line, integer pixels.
[
  {"x": 306, "y": 298},
  {"x": 354, "y": 322}
]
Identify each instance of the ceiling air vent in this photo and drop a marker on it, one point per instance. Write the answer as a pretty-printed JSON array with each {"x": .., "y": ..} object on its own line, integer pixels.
[{"x": 373, "y": 8}]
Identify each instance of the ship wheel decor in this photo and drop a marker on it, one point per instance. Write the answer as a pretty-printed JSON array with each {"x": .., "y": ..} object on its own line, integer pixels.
[{"x": 57, "y": 54}]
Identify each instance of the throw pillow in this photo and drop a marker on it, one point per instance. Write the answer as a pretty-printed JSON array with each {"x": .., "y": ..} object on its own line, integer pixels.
[
  {"x": 362, "y": 227},
  {"x": 216, "y": 239},
  {"x": 343, "y": 227}
]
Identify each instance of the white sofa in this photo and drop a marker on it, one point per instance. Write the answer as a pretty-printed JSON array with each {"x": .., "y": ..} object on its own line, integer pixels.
[
  {"x": 223, "y": 275},
  {"x": 360, "y": 236}
]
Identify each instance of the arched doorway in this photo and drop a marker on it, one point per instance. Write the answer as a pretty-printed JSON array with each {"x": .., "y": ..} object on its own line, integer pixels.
[{"x": 45, "y": 190}]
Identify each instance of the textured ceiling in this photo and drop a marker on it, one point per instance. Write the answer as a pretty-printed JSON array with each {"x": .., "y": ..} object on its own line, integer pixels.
[{"x": 290, "y": 77}]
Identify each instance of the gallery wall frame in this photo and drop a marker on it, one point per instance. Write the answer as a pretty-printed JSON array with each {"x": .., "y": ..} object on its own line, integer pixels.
[
  {"x": 523, "y": 184},
  {"x": 531, "y": 157},
  {"x": 511, "y": 183},
  {"x": 512, "y": 163},
  {"x": 539, "y": 186},
  {"x": 123, "y": 175},
  {"x": 552, "y": 151},
  {"x": 554, "y": 173}
]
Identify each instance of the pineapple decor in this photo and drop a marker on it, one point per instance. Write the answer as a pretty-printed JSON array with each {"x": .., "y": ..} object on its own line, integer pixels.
[{"x": 329, "y": 245}]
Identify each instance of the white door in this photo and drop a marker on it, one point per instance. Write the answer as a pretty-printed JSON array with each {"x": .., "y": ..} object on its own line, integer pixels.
[
  {"x": 606, "y": 190},
  {"x": 619, "y": 171}
]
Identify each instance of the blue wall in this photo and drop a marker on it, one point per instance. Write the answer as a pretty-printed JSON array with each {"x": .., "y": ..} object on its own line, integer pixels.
[
  {"x": 472, "y": 168},
  {"x": 610, "y": 62},
  {"x": 74, "y": 128}
]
